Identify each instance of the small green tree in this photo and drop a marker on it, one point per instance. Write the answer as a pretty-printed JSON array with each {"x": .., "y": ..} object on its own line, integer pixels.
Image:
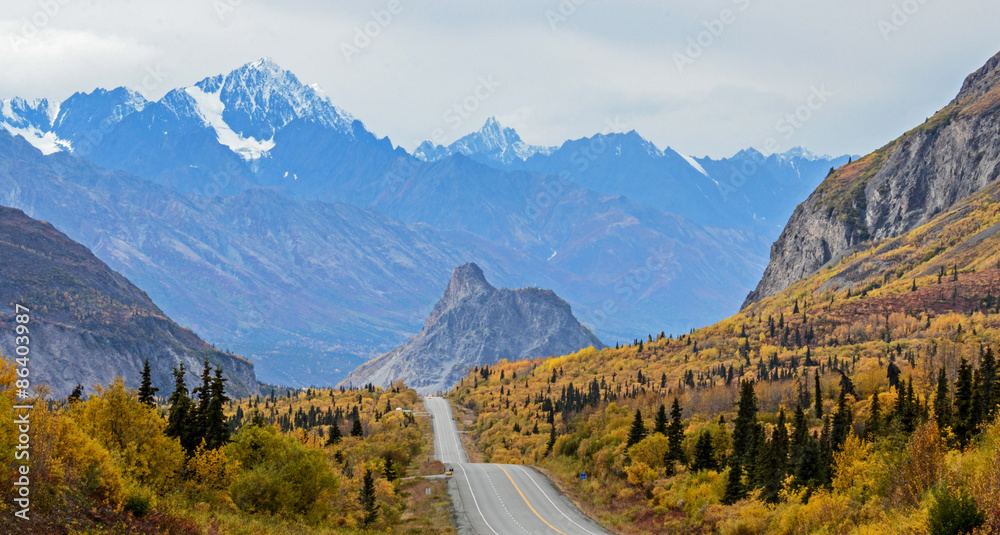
[
  {"x": 356, "y": 429},
  {"x": 368, "y": 504},
  {"x": 661, "y": 420},
  {"x": 819, "y": 397},
  {"x": 704, "y": 453},
  {"x": 147, "y": 392},
  {"x": 953, "y": 515},
  {"x": 216, "y": 426},
  {"x": 638, "y": 430},
  {"x": 746, "y": 432},
  {"x": 180, "y": 415},
  {"x": 675, "y": 434},
  {"x": 734, "y": 485},
  {"x": 334, "y": 436}
]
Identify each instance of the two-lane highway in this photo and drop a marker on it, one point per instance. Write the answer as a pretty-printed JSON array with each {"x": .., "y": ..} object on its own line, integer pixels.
[{"x": 503, "y": 499}]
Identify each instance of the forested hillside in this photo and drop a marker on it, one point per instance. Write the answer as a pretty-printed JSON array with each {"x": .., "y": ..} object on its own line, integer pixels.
[
  {"x": 292, "y": 461},
  {"x": 863, "y": 399}
]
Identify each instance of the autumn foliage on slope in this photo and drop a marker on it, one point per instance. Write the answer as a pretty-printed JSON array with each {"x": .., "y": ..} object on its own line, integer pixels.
[
  {"x": 119, "y": 462},
  {"x": 861, "y": 400}
]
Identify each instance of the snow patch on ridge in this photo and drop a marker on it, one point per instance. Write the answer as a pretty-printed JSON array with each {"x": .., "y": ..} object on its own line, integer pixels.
[
  {"x": 210, "y": 107},
  {"x": 47, "y": 142},
  {"x": 694, "y": 163}
]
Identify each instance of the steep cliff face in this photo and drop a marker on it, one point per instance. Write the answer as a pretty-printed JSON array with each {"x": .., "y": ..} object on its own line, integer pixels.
[
  {"x": 88, "y": 324},
  {"x": 895, "y": 189},
  {"x": 475, "y": 324}
]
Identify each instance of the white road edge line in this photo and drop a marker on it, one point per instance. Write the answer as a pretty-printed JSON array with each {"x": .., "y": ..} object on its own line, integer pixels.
[
  {"x": 521, "y": 468},
  {"x": 475, "y": 501}
]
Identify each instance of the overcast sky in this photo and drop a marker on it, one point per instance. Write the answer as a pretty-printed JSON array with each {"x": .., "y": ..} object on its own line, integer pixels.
[{"x": 558, "y": 69}]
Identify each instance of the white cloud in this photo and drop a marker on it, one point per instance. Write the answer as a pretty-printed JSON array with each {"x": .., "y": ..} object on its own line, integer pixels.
[{"x": 608, "y": 58}]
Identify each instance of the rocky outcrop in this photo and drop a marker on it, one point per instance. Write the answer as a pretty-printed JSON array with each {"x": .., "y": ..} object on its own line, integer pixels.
[
  {"x": 899, "y": 187},
  {"x": 88, "y": 324},
  {"x": 475, "y": 324}
]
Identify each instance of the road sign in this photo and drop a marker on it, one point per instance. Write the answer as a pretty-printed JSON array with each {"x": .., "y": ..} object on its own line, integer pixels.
[{"x": 583, "y": 475}]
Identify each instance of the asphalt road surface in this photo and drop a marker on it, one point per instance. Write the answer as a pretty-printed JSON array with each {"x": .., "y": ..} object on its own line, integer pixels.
[{"x": 502, "y": 499}]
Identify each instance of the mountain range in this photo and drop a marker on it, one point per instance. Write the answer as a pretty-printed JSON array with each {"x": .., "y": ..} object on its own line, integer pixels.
[{"x": 270, "y": 221}]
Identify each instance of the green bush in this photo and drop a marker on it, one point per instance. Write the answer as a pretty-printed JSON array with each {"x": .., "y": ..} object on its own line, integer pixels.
[
  {"x": 952, "y": 515},
  {"x": 278, "y": 475},
  {"x": 137, "y": 504}
]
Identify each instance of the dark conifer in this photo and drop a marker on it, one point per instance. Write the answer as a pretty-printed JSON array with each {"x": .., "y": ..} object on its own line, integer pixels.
[
  {"x": 369, "y": 507},
  {"x": 964, "y": 387},
  {"x": 734, "y": 485},
  {"x": 675, "y": 434},
  {"x": 216, "y": 427},
  {"x": 874, "y": 426},
  {"x": 819, "y": 398},
  {"x": 180, "y": 417},
  {"x": 638, "y": 430},
  {"x": 942, "y": 401},
  {"x": 745, "y": 432},
  {"x": 147, "y": 392},
  {"x": 661, "y": 420},
  {"x": 704, "y": 453}
]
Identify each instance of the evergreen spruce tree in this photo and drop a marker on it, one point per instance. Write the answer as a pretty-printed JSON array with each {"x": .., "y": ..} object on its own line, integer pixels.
[
  {"x": 356, "y": 429},
  {"x": 942, "y": 401},
  {"x": 963, "y": 403},
  {"x": 772, "y": 462},
  {"x": 638, "y": 430},
  {"x": 179, "y": 415},
  {"x": 819, "y": 397},
  {"x": 334, "y": 436},
  {"x": 704, "y": 453},
  {"x": 552, "y": 440},
  {"x": 204, "y": 394},
  {"x": 369, "y": 507},
  {"x": 842, "y": 422},
  {"x": 874, "y": 426},
  {"x": 216, "y": 427},
  {"x": 734, "y": 485},
  {"x": 146, "y": 391},
  {"x": 675, "y": 434},
  {"x": 745, "y": 432},
  {"x": 76, "y": 394},
  {"x": 661, "y": 420},
  {"x": 989, "y": 387},
  {"x": 800, "y": 436},
  {"x": 976, "y": 415}
]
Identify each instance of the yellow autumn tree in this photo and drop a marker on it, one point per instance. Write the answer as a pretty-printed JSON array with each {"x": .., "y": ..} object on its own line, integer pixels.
[{"x": 133, "y": 433}]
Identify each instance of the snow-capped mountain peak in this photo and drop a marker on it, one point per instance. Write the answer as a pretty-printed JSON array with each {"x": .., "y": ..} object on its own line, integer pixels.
[
  {"x": 32, "y": 120},
  {"x": 493, "y": 142},
  {"x": 260, "y": 98},
  {"x": 803, "y": 153}
]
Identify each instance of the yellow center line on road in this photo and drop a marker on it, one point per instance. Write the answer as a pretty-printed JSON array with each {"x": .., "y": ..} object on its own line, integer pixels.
[{"x": 527, "y": 502}]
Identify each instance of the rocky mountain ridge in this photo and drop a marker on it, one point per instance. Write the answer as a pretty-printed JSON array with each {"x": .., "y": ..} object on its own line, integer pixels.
[
  {"x": 88, "y": 324},
  {"x": 895, "y": 189},
  {"x": 475, "y": 324}
]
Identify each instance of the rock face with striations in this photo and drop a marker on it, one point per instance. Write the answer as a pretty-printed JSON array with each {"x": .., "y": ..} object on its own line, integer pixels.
[
  {"x": 895, "y": 189},
  {"x": 88, "y": 324},
  {"x": 475, "y": 324}
]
